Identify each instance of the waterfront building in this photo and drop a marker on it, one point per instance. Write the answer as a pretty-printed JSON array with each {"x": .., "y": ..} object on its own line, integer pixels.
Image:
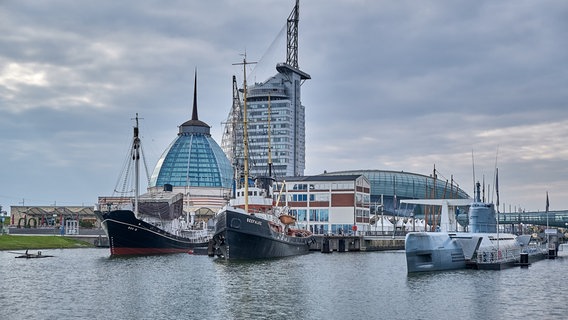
[
  {"x": 51, "y": 217},
  {"x": 196, "y": 166},
  {"x": 326, "y": 204},
  {"x": 389, "y": 187},
  {"x": 193, "y": 165}
]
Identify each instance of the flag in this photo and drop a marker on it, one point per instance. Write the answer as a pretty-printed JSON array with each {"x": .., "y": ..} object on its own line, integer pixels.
[{"x": 547, "y": 202}]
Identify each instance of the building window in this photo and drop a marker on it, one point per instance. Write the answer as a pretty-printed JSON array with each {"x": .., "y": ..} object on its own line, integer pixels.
[{"x": 321, "y": 215}]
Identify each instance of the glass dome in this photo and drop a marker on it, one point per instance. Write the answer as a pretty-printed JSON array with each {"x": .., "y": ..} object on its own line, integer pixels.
[{"x": 193, "y": 159}]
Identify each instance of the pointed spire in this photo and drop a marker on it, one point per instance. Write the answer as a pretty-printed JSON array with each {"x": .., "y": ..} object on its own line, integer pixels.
[
  {"x": 194, "y": 113},
  {"x": 194, "y": 126}
]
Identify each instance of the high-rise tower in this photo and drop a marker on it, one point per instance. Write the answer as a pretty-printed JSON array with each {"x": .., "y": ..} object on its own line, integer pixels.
[{"x": 279, "y": 98}]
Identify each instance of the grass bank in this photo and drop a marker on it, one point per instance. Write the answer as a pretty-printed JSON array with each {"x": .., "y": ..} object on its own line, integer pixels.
[{"x": 12, "y": 242}]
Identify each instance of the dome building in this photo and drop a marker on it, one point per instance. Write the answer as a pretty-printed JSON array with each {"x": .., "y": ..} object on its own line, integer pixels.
[
  {"x": 195, "y": 165},
  {"x": 389, "y": 187}
]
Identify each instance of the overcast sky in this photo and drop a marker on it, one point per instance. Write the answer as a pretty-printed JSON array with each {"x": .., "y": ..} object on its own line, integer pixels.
[{"x": 396, "y": 85}]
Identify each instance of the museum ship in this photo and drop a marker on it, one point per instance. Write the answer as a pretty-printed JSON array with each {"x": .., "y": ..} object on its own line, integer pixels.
[
  {"x": 155, "y": 223},
  {"x": 483, "y": 247},
  {"x": 252, "y": 226}
]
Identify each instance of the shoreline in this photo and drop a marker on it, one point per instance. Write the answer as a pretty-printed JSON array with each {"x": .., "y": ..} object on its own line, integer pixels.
[{"x": 34, "y": 242}]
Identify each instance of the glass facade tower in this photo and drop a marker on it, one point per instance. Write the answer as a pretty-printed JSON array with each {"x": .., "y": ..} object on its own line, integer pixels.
[{"x": 279, "y": 98}]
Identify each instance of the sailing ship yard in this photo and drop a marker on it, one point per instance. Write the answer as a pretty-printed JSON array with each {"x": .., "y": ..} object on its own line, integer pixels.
[{"x": 248, "y": 197}]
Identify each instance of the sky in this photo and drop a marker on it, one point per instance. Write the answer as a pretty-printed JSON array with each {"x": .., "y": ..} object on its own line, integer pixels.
[{"x": 465, "y": 86}]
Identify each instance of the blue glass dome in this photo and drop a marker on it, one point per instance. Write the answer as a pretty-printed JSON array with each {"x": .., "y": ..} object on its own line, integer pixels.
[{"x": 193, "y": 159}]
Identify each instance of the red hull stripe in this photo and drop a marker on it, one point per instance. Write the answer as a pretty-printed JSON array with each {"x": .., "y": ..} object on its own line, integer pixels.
[{"x": 146, "y": 251}]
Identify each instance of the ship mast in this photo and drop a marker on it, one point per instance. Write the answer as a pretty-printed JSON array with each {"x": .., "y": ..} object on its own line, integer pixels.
[
  {"x": 269, "y": 144},
  {"x": 136, "y": 158},
  {"x": 245, "y": 129}
]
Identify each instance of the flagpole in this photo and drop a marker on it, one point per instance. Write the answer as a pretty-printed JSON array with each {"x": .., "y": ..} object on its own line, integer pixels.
[
  {"x": 497, "y": 204},
  {"x": 546, "y": 231},
  {"x": 547, "y": 204}
]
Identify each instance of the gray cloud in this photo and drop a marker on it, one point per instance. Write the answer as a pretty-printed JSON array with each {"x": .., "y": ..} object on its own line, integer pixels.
[{"x": 396, "y": 85}]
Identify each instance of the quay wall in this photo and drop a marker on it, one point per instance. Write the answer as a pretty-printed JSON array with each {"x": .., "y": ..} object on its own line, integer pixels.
[
  {"x": 383, "y": 243},
  {"x": 330, "y": 243}
]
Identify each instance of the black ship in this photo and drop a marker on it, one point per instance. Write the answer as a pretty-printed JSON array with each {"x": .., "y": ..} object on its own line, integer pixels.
[
  {"x": 240, "y": 234},
  {"x": 129, "y": 235},
  {"x": 250, "y": 226},
  {"x": 155, "y": 225}
]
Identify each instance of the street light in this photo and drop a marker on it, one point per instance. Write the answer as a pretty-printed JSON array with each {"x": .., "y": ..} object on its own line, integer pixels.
[
  {"x": 3, "y": 215},
  {"x": 54, "y": 219}
]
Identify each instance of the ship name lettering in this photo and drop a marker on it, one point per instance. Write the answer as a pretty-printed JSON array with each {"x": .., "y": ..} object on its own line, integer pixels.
[{"x": 249, "y": 220}]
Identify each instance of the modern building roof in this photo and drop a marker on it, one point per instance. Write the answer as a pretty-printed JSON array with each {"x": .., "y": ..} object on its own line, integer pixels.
[
  {"x": 323, "y": 178},
  {"x": 193, "y": 159},
  {"x": 407, "y": 185}
]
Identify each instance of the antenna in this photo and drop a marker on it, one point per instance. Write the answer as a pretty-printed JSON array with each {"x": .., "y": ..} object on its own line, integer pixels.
[
  {"x": 497, "y": 191},
  {"x": 473, "y": 167},
  {"x": 495, "y": 175},
  {"x": 292, "y": 38}
]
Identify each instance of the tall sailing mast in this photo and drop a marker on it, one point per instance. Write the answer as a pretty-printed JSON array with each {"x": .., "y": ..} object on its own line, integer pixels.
[
  {"x": 245, "y": 129},
  {"x": 136, "y": 158},
  {"x": 269, "y": 143}
]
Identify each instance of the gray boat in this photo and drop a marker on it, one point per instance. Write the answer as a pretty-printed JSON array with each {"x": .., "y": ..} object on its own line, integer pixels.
[{"x": 483, "y": 247}]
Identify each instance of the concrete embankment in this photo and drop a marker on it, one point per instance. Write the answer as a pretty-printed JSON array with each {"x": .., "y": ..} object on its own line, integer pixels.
[{"x": 330, "y": 243}]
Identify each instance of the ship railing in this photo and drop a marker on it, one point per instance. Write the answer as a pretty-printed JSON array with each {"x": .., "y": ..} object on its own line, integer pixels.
[
  {"x": 197, "y": 235},
  {"x": 385, "y": 233},
  {"x": 498, "y": 256}
]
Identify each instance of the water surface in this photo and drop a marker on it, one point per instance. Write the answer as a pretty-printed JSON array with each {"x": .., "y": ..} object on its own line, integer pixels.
[{"x": 88, "y": 284}]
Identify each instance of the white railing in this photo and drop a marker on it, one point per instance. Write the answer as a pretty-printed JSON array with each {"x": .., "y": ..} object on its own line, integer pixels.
[{"x": 498, "y": 256}]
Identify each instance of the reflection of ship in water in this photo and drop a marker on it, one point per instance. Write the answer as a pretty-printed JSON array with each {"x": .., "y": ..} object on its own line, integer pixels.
[{"x": 483, "y": 247}]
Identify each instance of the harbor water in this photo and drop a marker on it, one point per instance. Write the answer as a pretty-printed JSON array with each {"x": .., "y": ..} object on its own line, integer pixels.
[{"x": 89, "y": 284}]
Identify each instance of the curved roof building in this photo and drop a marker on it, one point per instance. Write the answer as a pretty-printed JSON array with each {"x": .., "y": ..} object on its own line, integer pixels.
[
  {"x": 405, "y": 185},
  {"x": 193, "y": 159}
]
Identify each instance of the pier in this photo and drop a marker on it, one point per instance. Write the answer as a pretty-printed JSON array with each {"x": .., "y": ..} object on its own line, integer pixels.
[{"x": 342, "y": 243}]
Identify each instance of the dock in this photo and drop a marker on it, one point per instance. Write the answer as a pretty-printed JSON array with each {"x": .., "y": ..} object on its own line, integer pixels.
[{"x": 349, "y": 243}]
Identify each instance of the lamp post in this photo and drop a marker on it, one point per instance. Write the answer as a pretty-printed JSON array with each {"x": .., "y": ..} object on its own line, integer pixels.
[
  {"x": 3, "y": 215},
  {"x": 54, "y": 220}
]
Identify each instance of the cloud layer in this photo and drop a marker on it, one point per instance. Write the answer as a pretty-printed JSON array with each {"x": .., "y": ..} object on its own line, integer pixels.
[{"x": 396, "y": 85}]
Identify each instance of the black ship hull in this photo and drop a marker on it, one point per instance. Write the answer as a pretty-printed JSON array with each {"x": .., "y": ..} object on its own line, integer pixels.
[
  {"x": 131, "y": 236},
  {"x": 243, "y": 236}
]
